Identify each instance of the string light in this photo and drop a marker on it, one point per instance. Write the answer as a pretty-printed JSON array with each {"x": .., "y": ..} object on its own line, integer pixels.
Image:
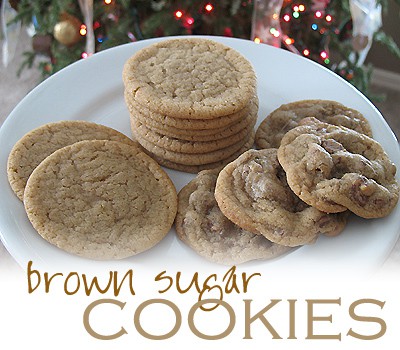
[
  {"x": 82, "y": 30},
  {"x": 190, "y": 21},
  {"x": 178, "y": 14},
  {"x": 314, "y": 26},
  {"x": 306, "y": 52},
  {"x": 289, "y": 41},
  {"x": 327, "y": 60},
  {"x": 296, "y": 14},
  {"x": 328, "y": 18},
  {"x": 274, "y": 32},
  {"x": 84, "y": 55},
  {"x": 302, "y": 8},
  {"x": 295, "y": 8},
  {"x": 286, "y": 18},
  {"x": 107, "y": 2},
  {"x": 324, "y": 55},
  {"x": 318, "y": 14},
  {"x": 209, "y": 7},
  {"x": 257, "y": 40}
]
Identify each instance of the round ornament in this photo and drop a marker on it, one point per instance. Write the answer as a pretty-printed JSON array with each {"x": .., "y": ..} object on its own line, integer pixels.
[{"x": 66, "y": 31}]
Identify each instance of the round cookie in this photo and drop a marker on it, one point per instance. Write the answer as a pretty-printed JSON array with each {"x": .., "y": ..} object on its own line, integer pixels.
[
  {"x": 192, "y": 78},
  {"x": 334, "y": 168},
  {"x": 184, "y": 146},
  {"x": 253, "y": 193},
  {"x": 200, "y": 134},
  {"x": 188, "y": 158},
  {"x": 201, "y": 225},
  {"x": 197, "y": 168},
  {"x": 271, "y": 130},
  {"x": 101, "y": 200},
  {"x": 39, "y": 143},
  {"x": 157, "y": 119}
]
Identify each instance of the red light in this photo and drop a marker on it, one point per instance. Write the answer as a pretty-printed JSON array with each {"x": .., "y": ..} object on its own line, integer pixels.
[
  {"x": 286, "y": 18},
  {"x": 190, "y": 20},
  {"x": 178, "y": 14},
  {"x": 209, "y": 7},
  {"x": 318, "y": 14},
  {"x": 324, "y": 54}
]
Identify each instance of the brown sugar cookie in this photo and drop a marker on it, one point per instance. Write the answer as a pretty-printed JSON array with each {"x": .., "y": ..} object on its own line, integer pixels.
[
  {"x": 157, "y": 119},
  {"x": 184, "y": 146},
  {"x": 197, "y": 168},
  {"x": 201, "y": 225},
  {"x": 286, "y": 117},
  {"x": 198, "y": 134},
  {"x": 101, "y": 200},
  {"x": 334, "y": 168},
  {"x": 39, "y": 143},
  {"x": 253, "y": 193},
  {"x": 188, "y": 158},
  {"x": 192, "y": 78}
]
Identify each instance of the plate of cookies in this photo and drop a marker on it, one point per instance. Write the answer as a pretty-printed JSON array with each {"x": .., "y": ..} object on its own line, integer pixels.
[{"x": 199, "y": 152}]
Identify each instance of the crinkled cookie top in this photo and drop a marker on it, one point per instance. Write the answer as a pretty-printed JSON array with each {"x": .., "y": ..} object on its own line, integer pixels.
[
  {"x": 190, "y": 78},
  {"x": 288, "y": 116},
  {"x": 253, "y": 193},
  {"x": 334, "y": 168},
  {"x": 201, "y": 225}
]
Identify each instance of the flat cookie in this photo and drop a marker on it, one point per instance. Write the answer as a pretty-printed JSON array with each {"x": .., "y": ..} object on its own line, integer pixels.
[
  {"x": 253, "y": 193},
  {"x": 334, "y": 168},
  {"x": 101, "y": 200},
  {"x": 197, "y": 168},
  {"x": 192, "y": 78},
  {"x": 188, "y": 158},
  {"x": 39, "y": 143},
  {"x": 157, "y": 119},
  {"x": 197, "y": 135},
  {"x": 271, "y": 130},
  {"x": 202, "y": 226},
  {"x": 184, "y": 146}
]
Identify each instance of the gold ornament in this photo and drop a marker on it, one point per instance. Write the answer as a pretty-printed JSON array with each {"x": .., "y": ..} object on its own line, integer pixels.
[{"x": 66, "y": 31}]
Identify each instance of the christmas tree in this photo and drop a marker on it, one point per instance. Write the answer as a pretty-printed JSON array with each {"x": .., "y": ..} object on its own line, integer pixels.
[{"x": 322, "y": 30}]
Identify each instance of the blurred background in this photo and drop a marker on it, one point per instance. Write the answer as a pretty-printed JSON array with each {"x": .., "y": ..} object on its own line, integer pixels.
[{"x": 357, "y": 39}]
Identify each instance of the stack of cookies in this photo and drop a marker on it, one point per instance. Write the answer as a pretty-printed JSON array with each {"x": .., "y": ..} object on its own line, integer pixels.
[{"x": 192, "y": 102}]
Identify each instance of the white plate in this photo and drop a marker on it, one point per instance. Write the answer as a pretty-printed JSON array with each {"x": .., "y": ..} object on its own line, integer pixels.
[{"x": 92, "y": 89}]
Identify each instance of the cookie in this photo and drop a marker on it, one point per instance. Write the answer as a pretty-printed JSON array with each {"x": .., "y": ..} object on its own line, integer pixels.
[
  {"x": 39, "y": 143},
  {"x": 253, "y": 193},
  {"x": 100, "y": 200},
  {"x": 202, "y": 226},
  {"x": 197, "y": 168},
  {"x": 192, "y": 78},
  {"x": 334, "y": 168},
  {"x": 187, "y": 158},
  {"x": 198, "y": 135},
  {"x": 271, "y": 130},
  {"x": 153, "y": 118},
  {"x": 184, "y": 146}
]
